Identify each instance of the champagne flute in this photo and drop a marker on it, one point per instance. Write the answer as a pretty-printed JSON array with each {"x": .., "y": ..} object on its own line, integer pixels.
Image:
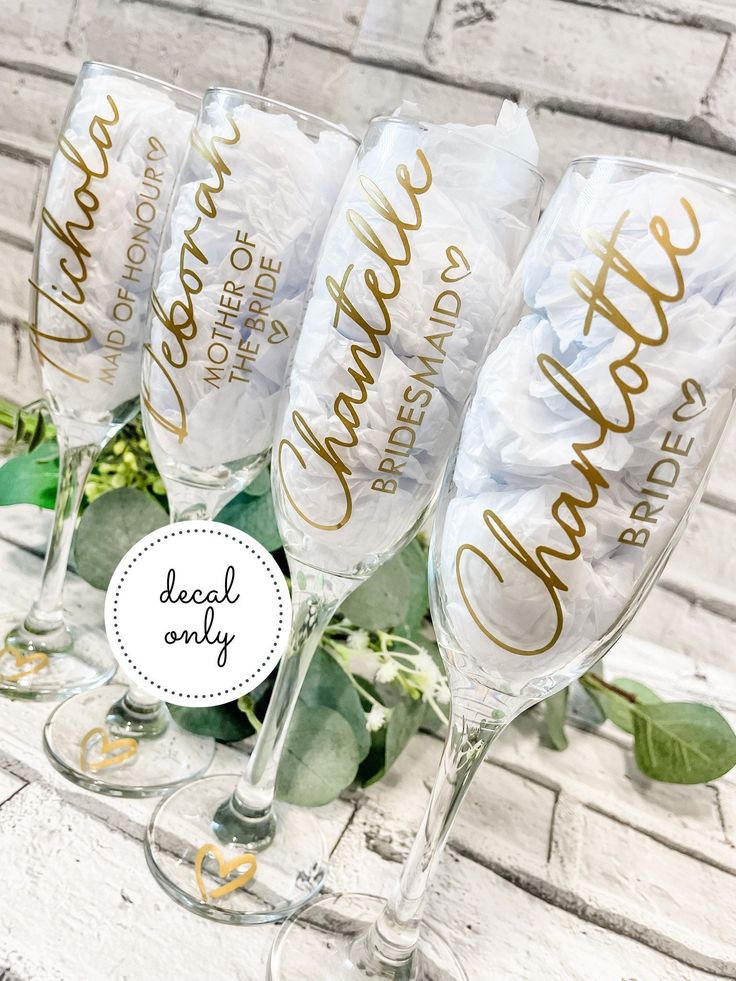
[
  {"x": 119, "y": 148},
  {"x": 252, "y": 199},
  {"x": 585, "y": 447},
  {"x": 421, "y": 245}
]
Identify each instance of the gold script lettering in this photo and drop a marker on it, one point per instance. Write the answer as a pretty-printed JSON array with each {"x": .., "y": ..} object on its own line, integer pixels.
[
  {"x": 363, "y": 354},
  {"x": 74, "y": 265},
  {"x": 179, "y": 321},
  {"x": 629, "y": 380}
]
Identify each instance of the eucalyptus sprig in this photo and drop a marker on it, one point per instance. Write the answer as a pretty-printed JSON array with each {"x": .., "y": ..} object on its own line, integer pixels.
[
  {"x": 674, "y": 742},
  {"x": 377, "y": 677}
]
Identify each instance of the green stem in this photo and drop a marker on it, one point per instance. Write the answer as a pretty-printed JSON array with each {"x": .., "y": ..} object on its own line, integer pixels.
[
  {"x": 597, "y": 683},
  {"x": 246, "y": 706},
  {"x": 330, "y": 645}
]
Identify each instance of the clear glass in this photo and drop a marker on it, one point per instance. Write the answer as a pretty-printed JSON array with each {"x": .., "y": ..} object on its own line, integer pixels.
[
  {"x": 252, "y": 203},
  {"x": 120, "y": 145},
  {"x": 226, "y": 304},
  {"x": 462, "y": 209},
  {"x": 584, "y": 449}
]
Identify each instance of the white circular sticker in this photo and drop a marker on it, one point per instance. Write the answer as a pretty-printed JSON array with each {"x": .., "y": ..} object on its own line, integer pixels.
[{"x": 197, "y": 613}]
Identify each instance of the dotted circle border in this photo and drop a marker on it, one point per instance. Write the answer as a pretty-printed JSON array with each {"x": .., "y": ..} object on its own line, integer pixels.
[{"x": 162, "y": 688}]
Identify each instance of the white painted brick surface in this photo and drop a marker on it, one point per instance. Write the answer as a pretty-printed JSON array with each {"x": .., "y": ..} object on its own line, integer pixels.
[
  {"x": 15, "y": 263},
  {"x": 562, "y": 866},
  {"x": 331, "y": 84},
  {"x": 159, "y": 41},
  {"x": 720, "y": 106},
  {"x": 9, "y": 785},
  {"x": 587, "y": 55},
  {"x": 32, "y": 106},
  {"x": 34, "y": 30},
  {"x": 19, "y": 379},
  {"x": 19, "y": 191}
]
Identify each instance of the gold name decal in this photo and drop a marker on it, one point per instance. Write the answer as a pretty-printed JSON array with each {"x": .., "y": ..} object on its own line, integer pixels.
[
  {"x": 375, "y": 325},
  {"x": 73, "y": 266},
  {"x": 629, "y": 379},
  {"x": 179, "y": 321}
]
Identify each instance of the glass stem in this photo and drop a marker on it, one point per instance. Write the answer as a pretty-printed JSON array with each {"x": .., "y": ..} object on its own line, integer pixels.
[
  {"x": 75, "y": 463},
  {"x": 391, "y": 940},
  {"x": 247, "y": 817}
]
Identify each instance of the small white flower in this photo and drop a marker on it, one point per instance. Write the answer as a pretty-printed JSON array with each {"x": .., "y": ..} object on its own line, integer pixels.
[
  {"x": 442, "y": 692},
  {"x": 388, "y": 670},
  {"x": 428, "y": 674},
  {"x": 358, "y": 640},
  {"x": 375, "y": 719}
]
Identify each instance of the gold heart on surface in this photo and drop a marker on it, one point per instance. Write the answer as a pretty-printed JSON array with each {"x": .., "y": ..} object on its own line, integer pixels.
[
  {"x": 692, "y": 391},
  {"x": 32, "y": 663},
  {"x": 278, "y": 333},
  {"x": 224, "y": 868},
  {"x": 458, "y": 267},
  {"x": 110, "y": 752}
]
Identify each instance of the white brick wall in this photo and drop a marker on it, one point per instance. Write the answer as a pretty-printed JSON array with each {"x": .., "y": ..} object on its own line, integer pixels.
[{"x": 638, "y": 878}]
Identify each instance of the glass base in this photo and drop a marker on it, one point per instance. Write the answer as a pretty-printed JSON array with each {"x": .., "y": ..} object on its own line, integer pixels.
[
  {"x": 81, "y": 744},
  {"x": 52, "y": 665},
  {"x": 327, "y": 941},
  {"x": 225, "y": 881}
]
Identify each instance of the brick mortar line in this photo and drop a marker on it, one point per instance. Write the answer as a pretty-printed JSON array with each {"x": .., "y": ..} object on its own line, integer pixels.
[
  {"x": 356, "y": 805},
  {"x": 538, "y": 778},
  {"x": 684, "y": 847},
  {"x": 666, "y": 13},
  {"x": 37, "y": 155},
  {"x": 719, "y": 501},
  {"x": 551, "y": 829},
  {"x": 688, "y": 851},
  {"x": 39, "y": 69},
  {"x": 16, "y": 237},
  {"x": 250, "y": 20},
  {"x": 533, "y": 884},
  {"x": 24, "y": 784},
  {"x": 100, "y": 808},
  {"x": 715, "y": 605},
  {"x": 689, "y": 130},
  {"x": 617, "y": 923},
  {"x": 722, "y": 817},
  {"x": 692, "y": 130}
]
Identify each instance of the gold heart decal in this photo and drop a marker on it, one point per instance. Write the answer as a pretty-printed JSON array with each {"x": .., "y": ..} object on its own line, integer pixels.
[
  {"x": 224, "y": 868},
  {"x": 458, "y": 267},
  {"x": 110, "y": 752},
  {"x": 37, "y": 659},
  {"x": 691, "y": 390},
  {"x": 278, "y": 333}
]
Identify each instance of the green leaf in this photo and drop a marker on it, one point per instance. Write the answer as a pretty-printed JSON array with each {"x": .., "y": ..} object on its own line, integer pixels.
[
  {"x": 224, "y": 722},
  {"x": 328, "y": 685},
  {"x": 555, "y": 716},
  {"x": 111, "y": 525},
  {"x": 395, "y": 596},
  {"x": 261, "y": 485},
  {"x": 320, "y": 758},
  {"x": 584, "y": 705},
  {"x": 373, "y": 766},
  {"x": 682, "y": 742},
  {"x": 618, "y": 709},
  {"x": 31, "y": 478},
  {"x": 403, "y": 722},
  {"x": 255, "y": 516},
  {"x": 405, "y": 719}
]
